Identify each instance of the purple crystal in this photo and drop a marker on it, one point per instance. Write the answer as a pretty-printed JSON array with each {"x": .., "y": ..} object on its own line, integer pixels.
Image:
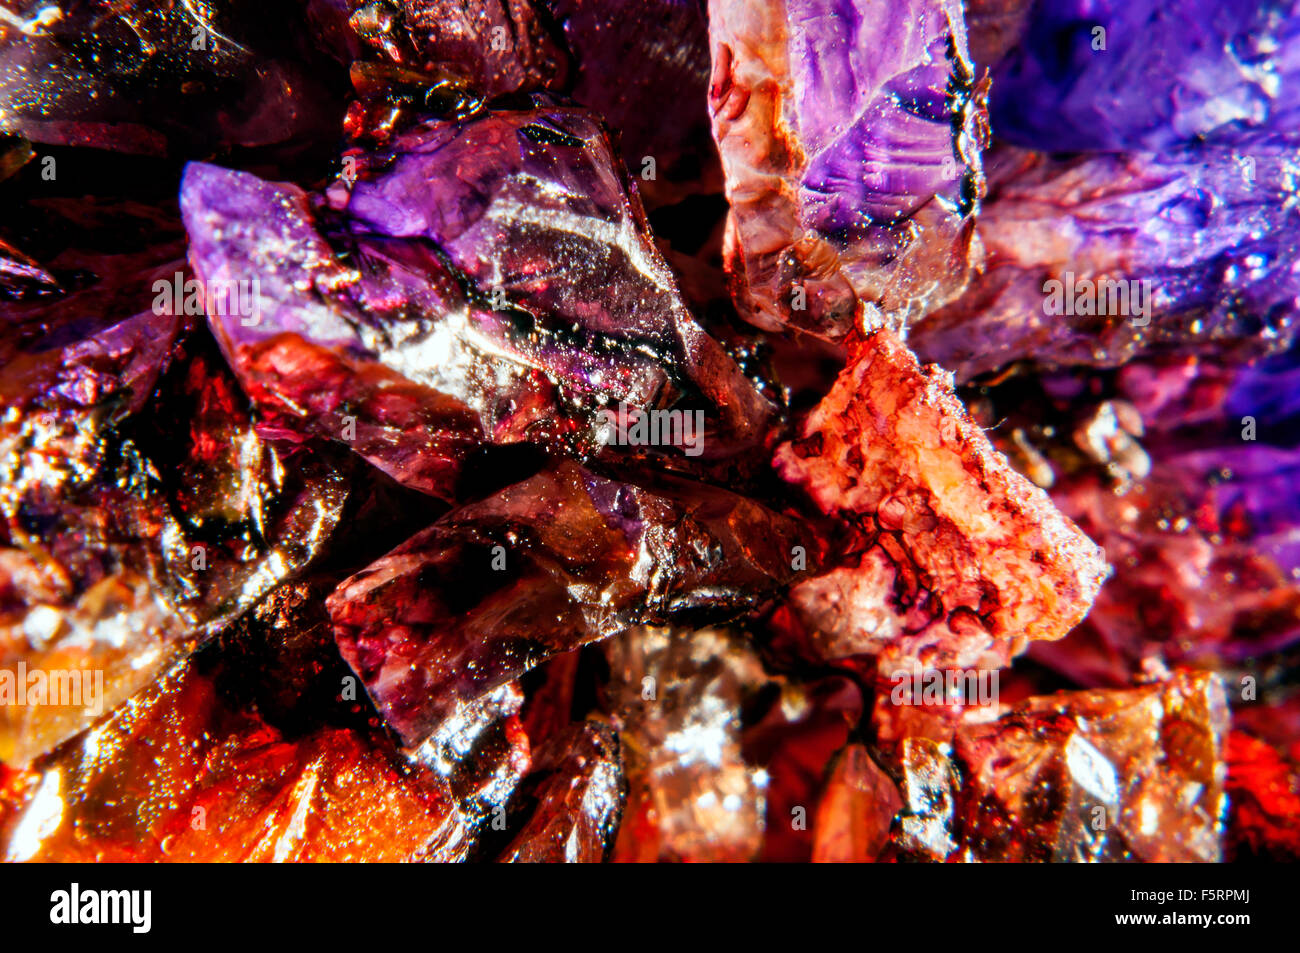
[
  {"x": 328, "y": 353},
  {"x": 532, "y": 205},
  {"x": 512, "y": 301},
  {"x": 678, "y": 695},
  {"x": 850, "y": 136},
  {"x": 1188, "y": 251},
  {"x": 576, "y": 795},
  {"x": 1109, "y": 75}
]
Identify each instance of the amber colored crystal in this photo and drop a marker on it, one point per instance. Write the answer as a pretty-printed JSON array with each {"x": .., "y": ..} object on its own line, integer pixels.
[
  {"x": 578, "y": 801},
  {"x": 177, "y": 775},
  {"x": 692, "y": 797},
  {"x": 856, "y": 810},
  {"x": 1080, "y": 776}
]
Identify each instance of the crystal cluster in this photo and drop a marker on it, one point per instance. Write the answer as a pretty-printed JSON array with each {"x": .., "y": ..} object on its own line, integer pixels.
[{"x": 673, "y": 431}]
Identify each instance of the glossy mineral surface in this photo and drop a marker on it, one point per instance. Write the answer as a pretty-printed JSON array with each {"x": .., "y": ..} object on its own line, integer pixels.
[
  {"x": 578, "y": 431},
  {"x": 851, "y": 139}
]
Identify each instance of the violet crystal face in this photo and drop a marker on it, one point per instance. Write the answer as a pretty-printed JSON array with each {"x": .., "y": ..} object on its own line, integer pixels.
[
  {"x": 573, "y": 431},
  {"x": 851, "y": 139}
]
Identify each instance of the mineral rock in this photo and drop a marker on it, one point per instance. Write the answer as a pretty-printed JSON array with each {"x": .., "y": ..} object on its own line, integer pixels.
[
  {"x": 955, "y": 559},
  {"x": 679, "y": 696},
  {"x": 856, "y": 810},
  {"x": 850, "y": 136},
  {"x": 514, "y": 304},
  {"x": 483, "y": 753},
  {"x": 498, "y": 46},
  {"x": 533, "y": 207},
  {"x": 559, "y": 560},
  {"x": 1205, "y": 535}
]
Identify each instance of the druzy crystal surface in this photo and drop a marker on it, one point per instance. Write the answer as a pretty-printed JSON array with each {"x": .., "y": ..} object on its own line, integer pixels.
[
  {"x": 664, "y": 431},
  {"x": 679, "y": 696}
]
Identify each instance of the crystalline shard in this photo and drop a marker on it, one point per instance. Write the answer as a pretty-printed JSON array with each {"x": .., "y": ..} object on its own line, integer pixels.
[
  {"x": 532, "y": 205},
  {"x": 956, "y": 559},
  {"x": 488, "y": 281},
  {"x": 856, "y": 809},
  {"x": 1079, "y": 776},
  {"x": 679, "y": 694},
  {"x": 850, "y": 136},
  {"x": 559, "y": 560}
]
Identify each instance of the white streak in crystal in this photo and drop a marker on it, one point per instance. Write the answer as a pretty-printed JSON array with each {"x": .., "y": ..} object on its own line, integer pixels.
[
  {"x": 302, "y": 801},
  {"x": 622, "y": 236},
  {"x": 1090, "y": 769},
  {"x": 41, "y": 819}
]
